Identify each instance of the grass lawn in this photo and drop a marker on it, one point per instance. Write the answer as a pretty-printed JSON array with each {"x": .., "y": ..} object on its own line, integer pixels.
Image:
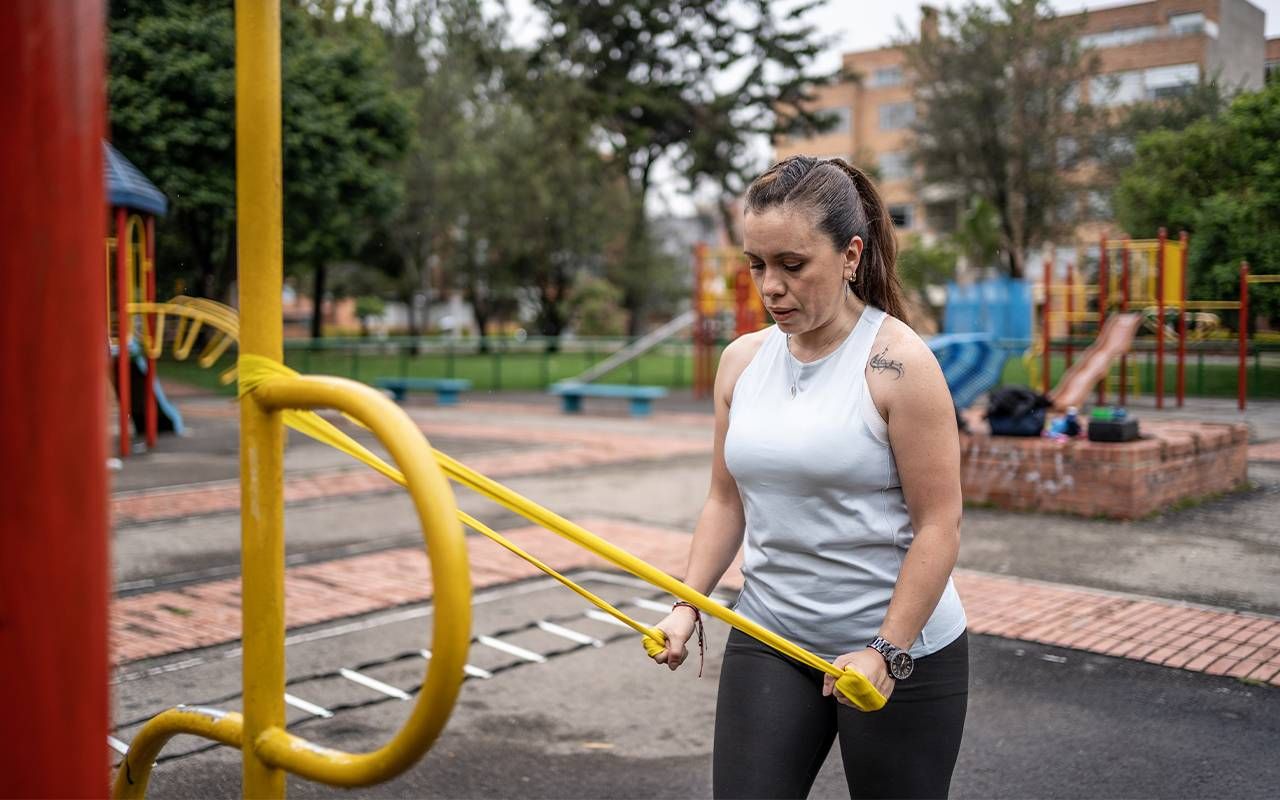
[{"x": 671, "y": 366}]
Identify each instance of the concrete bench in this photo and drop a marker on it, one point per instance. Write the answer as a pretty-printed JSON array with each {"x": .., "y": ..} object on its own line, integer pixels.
[
  {"x": 639, "y": 396},
  {"x": 446, "y": 389}
]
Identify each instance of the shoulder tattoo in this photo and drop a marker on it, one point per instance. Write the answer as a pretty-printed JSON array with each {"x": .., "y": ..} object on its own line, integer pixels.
[{"x": 880, "y": 363}]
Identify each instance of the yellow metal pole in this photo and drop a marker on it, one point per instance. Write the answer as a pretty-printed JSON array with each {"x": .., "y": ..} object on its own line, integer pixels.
[{"x": 259, "y": 253}]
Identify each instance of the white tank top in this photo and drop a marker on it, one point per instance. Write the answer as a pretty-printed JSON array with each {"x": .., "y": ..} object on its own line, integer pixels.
[{"x": 827, "y": 527}]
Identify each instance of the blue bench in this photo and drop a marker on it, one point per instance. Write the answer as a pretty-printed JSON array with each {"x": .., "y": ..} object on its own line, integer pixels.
[
  {"x": 446, "y": 389},
  {"x": 640, "y": 396}
]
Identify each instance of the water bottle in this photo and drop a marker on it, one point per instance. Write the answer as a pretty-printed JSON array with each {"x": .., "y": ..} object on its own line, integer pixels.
[{"x": 1072, "y": 426}]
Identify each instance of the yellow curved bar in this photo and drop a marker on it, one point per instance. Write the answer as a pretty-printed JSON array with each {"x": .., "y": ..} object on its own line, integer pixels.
[
  {"x": 446, "y": 548},
  {"x": 135, "y": 768},
  {"x": 191, "y": 313}
]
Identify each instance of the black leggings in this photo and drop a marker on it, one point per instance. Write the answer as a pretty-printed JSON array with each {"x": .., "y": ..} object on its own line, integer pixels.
[{"x": 774, "y": 728}]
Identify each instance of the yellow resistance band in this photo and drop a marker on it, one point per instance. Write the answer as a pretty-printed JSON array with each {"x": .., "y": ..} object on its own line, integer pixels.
[{"x": 253, "y": 370}]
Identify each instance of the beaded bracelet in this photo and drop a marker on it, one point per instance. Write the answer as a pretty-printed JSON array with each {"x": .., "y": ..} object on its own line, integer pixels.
[{"x": 697, "y": 620}]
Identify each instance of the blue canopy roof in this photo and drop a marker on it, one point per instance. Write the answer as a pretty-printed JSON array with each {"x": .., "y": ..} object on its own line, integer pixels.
[{"x": 128, "y": 187}]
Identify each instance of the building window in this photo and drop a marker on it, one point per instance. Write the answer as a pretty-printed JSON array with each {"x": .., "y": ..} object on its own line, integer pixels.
[
  {"x": 1272, "y": 69},
  {"x": 894, "y": 116},
  {"x": 1186, "y": 24},
  {"x": 1120, "y": 36},
  {"x": 841, "y": 118},
  {"x": 1068, "y": 149},
  {"x": 942, "y": 217},
  {"x": 901, "y": 214},
  {"x": 1116, "y": 89},
  {"x": 885, "y": 77},
  {"x": 1122, "y": 88},
  {"x": 1097, "y": 205},
  {"x": 1168, "y": 81},
  {"x": 895, "y": 166}
]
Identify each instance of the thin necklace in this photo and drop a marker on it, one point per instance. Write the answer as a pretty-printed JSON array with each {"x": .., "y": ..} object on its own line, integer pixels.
[{"x": 792, "y": 371}]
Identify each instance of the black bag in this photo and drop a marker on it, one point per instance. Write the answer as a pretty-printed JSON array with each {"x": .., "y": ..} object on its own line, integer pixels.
[{"x": 1016, "y": 411}]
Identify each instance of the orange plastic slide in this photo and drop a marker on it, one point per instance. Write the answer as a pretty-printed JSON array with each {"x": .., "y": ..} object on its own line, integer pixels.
[{"x": 1114, "y": 341}]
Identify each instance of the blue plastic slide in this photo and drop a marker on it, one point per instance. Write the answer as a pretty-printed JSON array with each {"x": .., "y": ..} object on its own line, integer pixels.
[
  {"x": 971, "y": 362},
  {"x": 168, "y": 420}
]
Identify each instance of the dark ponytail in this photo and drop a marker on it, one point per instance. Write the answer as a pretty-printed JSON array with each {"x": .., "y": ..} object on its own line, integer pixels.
[{"x": 846, "y": 204}]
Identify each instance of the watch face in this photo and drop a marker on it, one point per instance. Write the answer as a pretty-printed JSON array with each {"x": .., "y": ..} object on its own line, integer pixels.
[{"x": 902, "y": 665}]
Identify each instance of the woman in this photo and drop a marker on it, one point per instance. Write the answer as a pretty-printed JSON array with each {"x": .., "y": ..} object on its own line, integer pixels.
[{"x": 837, "y": 455}]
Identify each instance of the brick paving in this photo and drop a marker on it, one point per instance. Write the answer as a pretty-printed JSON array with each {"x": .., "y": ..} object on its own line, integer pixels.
[
  {"x": 1171, "y": 634},
  {"x": 169, "y": 621},
  {"x": 561, "y": 449},
  {"x": 1265, "y": 451},
  {"x": 1168, "y": 633}
]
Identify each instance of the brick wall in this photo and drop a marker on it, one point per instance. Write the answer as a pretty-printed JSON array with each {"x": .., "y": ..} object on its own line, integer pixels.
[{"x": 1174, "y": 461}]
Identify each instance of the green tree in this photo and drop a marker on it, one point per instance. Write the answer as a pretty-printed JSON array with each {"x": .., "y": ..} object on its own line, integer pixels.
[
  {"x": 1219, "y": 179},
  {"x": 348, "y": 130},
  {"x": 1207, "y": 99},
  {"x": 1001, "y": 116},
  {"x": 690, "y": 81},
  {"x": 922, "y": 265},
  {"x": 977, "y": 237},
  {"x": 172, "y": 104},
  {"x": 508, "y": 193},
  {"x": 595, "y": 306}
]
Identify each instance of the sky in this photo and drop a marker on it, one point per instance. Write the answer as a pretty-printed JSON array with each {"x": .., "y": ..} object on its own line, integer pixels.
[{"x": 853, "y": 25}]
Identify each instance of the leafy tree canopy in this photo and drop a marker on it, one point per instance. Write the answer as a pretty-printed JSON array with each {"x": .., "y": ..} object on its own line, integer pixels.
[
  {"x": 171, "y": 92},
  {"x": 1002, "y": 117},
  {"x": 1219, "y": 179}
]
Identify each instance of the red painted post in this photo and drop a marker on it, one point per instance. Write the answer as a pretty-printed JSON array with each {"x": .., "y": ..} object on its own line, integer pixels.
[
  {"x": 150, "y": 321},
  {"x": 1044, "y": 324},
  {"x": 1242, "y": 376},
  {"x": 1160, "y": 318},
  {"x": 54, "y": 567},
  {"x": 1182, "y": 322},
  {"x": 742, "y": 290},
  {"x": 1071, "y": 310},
  {"x": 699, "y": 322},
  {"x": 1124, "y": 308},
  {"x": 1104, "y": 299},
  {"x": 122, "y": 328}
]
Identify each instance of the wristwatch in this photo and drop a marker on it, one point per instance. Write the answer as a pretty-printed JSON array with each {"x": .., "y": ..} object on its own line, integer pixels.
[{"x": 899, "y": 661}]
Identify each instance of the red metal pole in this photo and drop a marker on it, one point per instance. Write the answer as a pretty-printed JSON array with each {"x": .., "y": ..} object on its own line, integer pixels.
[
  {"x": 1242, "y": 376},
  {"x": 54, "y": 564},
  {"x": 150, "y": 321},
  {"x": 1124, "y": 308},
  {"x": 1071, "y": 309},
  {"x": 1044, "y": 324},
  {"x": 1104, "y": 298},
  {"x": 1182, "y": 322},
  {"x": 699, "y": 346},
  {"x": 742, "y": 290},
  {"x": 1160, "y": 318},
  {"x": 122, "y": 328}
]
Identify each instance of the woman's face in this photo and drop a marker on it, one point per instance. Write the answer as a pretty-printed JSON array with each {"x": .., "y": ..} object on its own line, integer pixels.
[{"x": 800, "y": 275}]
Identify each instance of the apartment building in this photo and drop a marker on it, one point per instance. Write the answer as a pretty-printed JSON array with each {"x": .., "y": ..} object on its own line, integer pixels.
[{"x": 1146, "y": 51}]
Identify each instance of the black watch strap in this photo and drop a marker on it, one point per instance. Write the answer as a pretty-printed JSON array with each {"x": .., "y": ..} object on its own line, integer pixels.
[{"x": 899, "y": 661}]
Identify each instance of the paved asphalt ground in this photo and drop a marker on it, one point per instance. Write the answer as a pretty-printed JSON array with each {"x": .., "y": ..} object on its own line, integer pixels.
[{"x": 601, "y": 721}]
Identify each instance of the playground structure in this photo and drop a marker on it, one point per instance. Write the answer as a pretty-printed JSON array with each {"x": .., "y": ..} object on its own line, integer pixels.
[
  {"x": 1145, "y": 280},
  {"x": 66, "y": 695},
  {"x": 131, "y": 277},
  {"x": 726, "y": 306}
]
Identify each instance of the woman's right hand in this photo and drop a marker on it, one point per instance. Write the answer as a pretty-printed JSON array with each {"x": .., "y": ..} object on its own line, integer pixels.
[{"x": 677, "y": 626}]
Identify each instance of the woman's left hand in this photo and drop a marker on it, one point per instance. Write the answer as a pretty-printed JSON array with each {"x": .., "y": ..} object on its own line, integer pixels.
[{"x": 869, "y": 663}]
